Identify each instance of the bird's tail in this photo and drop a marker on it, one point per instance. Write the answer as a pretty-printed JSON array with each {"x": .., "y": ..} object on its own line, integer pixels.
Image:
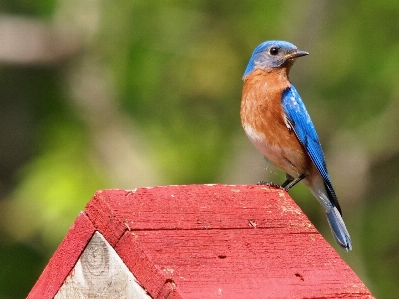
[
  {"x": 338, "y": 229},
  {"x": 326, "y": 196}
]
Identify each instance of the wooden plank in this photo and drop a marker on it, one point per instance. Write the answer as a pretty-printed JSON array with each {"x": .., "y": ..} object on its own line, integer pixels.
[
  {"x": 100, "y": 211},
  {"x": 157, "y": 282},
  {"x": 100, "y": 273},
  {"x": 63, "y": 259},
  {"x": 251, "y": 263},
  {"x": 196, "y": 207}
]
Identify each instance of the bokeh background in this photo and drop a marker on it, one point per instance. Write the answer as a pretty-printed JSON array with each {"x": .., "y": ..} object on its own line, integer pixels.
[{"x": 126, "y": 93}]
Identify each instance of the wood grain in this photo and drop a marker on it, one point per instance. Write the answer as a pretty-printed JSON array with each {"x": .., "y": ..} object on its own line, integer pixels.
[
  {"x": 223, "y": 241},
  {"x": 200, "y": 241},
  {"x": 100, "y": 273},
  {"x": 64, "y": 259}
]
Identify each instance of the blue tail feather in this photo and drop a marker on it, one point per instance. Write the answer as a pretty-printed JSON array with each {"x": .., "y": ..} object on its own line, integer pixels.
[{"x": 338, "y": 229}]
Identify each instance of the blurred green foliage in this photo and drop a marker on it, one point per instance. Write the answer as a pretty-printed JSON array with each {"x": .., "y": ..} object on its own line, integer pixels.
[{"x": 132, "y": 93}]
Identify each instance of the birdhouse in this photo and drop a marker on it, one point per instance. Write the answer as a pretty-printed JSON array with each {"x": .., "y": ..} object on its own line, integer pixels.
[{"x": 196, "y": 241}]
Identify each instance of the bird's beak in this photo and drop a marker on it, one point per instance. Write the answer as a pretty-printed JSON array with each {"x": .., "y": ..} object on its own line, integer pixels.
[{"x": 295, "y": 54}]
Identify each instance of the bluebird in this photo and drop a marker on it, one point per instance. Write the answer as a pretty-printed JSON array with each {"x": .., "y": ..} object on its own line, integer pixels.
[{"x": 276, "y": 121}]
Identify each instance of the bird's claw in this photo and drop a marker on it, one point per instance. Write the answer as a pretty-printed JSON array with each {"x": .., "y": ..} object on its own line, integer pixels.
[{"x": 270, "y": 184}]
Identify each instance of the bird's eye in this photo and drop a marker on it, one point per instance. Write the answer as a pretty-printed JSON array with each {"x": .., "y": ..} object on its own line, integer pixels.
[{"x": 273, "y": 51}]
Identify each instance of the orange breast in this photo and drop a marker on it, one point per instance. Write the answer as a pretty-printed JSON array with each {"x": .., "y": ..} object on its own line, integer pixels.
[{"x": 265, "y": 124}]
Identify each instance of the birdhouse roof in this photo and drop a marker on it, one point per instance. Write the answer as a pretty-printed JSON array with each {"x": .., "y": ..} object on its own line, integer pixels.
[{"x": 207, "y": 241}]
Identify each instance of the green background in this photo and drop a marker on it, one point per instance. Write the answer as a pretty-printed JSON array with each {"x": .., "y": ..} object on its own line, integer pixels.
[{"x": 125, "y": 94}]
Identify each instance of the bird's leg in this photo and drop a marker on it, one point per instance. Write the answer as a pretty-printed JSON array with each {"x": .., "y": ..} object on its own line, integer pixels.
[
  {"x": 291, "y": 182},
  {"x": 270, "y": 184},
  {"x": 288, "y": 180},
  {"x": 287, "y": 185}
]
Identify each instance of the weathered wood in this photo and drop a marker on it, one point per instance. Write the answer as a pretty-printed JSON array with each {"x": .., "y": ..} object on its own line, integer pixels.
[
  {"x": 157, "y": 279},
  {"x": 206, "y": 241},
  {"x": 63, "y": 259},
  {"x": 196, "y": 207},
  {"x": 100, "y": 273},
  {"x": 231, "y": 241}
]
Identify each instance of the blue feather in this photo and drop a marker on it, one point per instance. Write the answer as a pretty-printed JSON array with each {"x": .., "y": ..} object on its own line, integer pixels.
[{"x": 300, "y": 121}]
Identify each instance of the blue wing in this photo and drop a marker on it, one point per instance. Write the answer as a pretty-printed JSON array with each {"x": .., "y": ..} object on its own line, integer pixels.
[{"x": 300, "y": 121}]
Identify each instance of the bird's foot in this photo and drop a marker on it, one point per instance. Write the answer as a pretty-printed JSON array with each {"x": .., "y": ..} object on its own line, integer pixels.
[{"x": 270, "y": 184}]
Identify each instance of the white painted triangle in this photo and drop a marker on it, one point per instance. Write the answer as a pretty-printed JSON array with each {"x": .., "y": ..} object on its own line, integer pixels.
[{"x": 100, "y": 273}]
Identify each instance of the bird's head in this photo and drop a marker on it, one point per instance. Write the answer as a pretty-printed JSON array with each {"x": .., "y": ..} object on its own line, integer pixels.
[{"x": 273, "y": 54}]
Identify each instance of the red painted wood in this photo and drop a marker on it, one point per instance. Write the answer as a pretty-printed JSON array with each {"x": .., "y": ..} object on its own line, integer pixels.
[
  {"x": 156, "y": 281},
  {"x": 102, "y": 215},
  {"x": 64, "y": 259},
  {"x": 221, "y": 241},
  {"x": 195, "y": 207},
  {"x": 237, "y": 264}
]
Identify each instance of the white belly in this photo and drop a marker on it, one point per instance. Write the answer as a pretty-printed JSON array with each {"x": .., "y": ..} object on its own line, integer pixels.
[{"x": 276, "y": 154}]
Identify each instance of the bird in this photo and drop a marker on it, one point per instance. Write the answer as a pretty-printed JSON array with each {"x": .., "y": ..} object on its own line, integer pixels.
[{"x": 276, "y": 121}]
